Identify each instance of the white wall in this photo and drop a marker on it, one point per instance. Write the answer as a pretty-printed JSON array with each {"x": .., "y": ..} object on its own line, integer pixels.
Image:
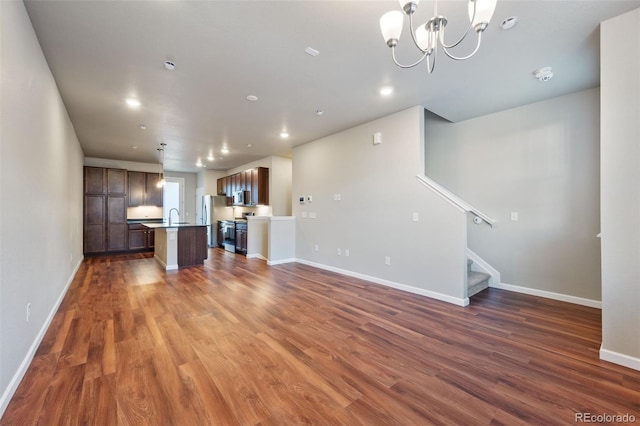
[
  {"x": 620, "y": 188},
  {"x": 379, "y": 194},
  {"x": 541, "y": 161},
  {"x": 40, "y": 196},
  {"x": 208, "y": 181}
]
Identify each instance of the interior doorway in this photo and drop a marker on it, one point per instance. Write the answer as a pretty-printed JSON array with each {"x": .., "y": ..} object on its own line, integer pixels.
[{"x": 173, "y": 194}]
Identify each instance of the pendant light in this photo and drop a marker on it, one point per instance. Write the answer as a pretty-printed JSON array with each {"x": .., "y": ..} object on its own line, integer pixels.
[{"x": 161, "y": 182}]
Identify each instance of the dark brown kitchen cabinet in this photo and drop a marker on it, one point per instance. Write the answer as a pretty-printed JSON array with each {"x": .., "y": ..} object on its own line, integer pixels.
[
  {"x": 105, "y": 210},
  {"x": 137, "y": 186},
  {"x": 255, "y": 180},
  {"x": 192, "y": 246},
  {"x": 95, "y": 217},
  {"x": 220, "y": 186},
  {"x": 153, "y": 193},
  {"x": 259, "y": 186},
  {"x": 235, "y": 183},
  {"x": 116, "y": 181},
  {"x": 95, "y": 180},
  {"x": 143, "y": 189},
  {"x": 241, "y": 238},
  {"x": 117, "y": 223},
  {"x": 141, "y": 238}
]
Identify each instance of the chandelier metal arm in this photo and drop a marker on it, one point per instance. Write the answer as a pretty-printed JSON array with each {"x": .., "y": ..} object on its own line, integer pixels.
[
  {"x": 449, "y": 46},
  {"x": 413, "y": 34},
  {"x": 462, "y": 58},
  {"x": 393, "y": 55},
  {"x": 431, "y": 64}
]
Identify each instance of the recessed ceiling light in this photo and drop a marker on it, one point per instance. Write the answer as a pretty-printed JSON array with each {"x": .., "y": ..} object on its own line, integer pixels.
[
  {"x": 311, "y": 51},
  {"x": 249, "y": 145},
  {"x": 143, "y": 127},
  {"x": 319, "y": 112},
  {"x": 386, "y": 90},
  {"x": 509, "y": 22},
  {"x": 134, "y": 147},
  {"x": 210, "y": 157},
  {"x": 284, "y": 135},
  {"x": 252, "y": 98},
  {"x": 224, "y": 150},
  {"x": 169, "y": 65},
  {"x": 132, "y": 103}
]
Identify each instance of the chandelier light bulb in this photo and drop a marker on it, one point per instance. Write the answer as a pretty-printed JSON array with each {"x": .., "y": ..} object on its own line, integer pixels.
[
  {"x": 391, "y": 27},
  {"x": 484, "y": 13},
  {"x": 422, "y": 38}
]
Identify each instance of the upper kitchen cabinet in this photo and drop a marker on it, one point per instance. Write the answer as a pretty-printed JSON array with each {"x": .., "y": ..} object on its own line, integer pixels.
[
  {"x": 116, "y": 181},
  {"x": 259, "y": 186},
  {"x": 95, "y": 180},
  {"x": 137, "y": 188},
  {"x": 153, "y": 193},
  {"x": 255, "y": 180},
  {"x": 143, "y": 189}
]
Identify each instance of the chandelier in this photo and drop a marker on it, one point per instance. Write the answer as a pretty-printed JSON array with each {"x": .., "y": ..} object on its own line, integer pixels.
[{"x": 428, "y": 35}]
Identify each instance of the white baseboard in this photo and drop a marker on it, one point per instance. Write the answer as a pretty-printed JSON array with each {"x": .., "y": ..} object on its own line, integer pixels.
[
  {"x": 403, "y": 287},
  {"x": 256, "y": 256},
  {"x": 24, "y": 365},
  {"x": 550, "y": 295},
  {"x": 281, "y": 261},
  {"x": 620, "y": 359},
  {"x": 164, "y": 265}
]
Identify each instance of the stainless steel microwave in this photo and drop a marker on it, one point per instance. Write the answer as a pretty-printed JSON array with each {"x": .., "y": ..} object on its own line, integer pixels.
[{"x": 240, "y": 198}]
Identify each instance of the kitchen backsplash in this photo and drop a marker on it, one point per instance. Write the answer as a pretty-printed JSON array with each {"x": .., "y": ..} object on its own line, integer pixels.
[
  {"x": 144, "y": 212},
  {"x": 258, "y": 211}
]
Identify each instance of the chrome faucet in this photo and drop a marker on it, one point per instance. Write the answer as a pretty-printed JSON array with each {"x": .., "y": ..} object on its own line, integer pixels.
[{"x": 171, "y": 211}]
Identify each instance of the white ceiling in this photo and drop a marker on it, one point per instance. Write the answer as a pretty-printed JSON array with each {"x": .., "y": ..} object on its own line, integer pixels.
[{"x": 101, "y": 52}]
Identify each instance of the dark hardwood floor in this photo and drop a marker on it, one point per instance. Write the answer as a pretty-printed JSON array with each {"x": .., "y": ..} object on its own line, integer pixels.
[{"x": 238, "y": 342}]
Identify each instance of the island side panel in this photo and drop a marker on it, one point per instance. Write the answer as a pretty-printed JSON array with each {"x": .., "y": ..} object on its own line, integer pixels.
[{"x": 192, "y": 246}]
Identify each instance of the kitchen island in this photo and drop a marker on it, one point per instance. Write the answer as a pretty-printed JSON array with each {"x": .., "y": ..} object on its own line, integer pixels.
[{"x": 179, "y": 244}]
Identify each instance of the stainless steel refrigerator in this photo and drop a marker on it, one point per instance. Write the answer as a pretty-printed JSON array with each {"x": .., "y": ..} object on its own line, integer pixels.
[{"x": 214, "y": 208}]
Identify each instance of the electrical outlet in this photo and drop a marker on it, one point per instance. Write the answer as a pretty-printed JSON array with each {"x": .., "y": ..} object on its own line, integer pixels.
[
  {"x": 339, "y": 252},
  {"x": 304, "y": 214},
  {"x": 346, "y": 252},
  {"x": 312, "y": 215},
  {"x": 514, "y": 216},
  {"x": 387, "y": 260},
  {"x": 28, "y": 311},
  {"x": 416, "y": 217},
  {"x": 337, "y": 197},
  {"x": 315, "y": 247}
]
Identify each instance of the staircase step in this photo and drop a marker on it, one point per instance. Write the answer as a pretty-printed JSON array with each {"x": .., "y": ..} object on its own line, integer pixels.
[{"x": 477, "y": 281}]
